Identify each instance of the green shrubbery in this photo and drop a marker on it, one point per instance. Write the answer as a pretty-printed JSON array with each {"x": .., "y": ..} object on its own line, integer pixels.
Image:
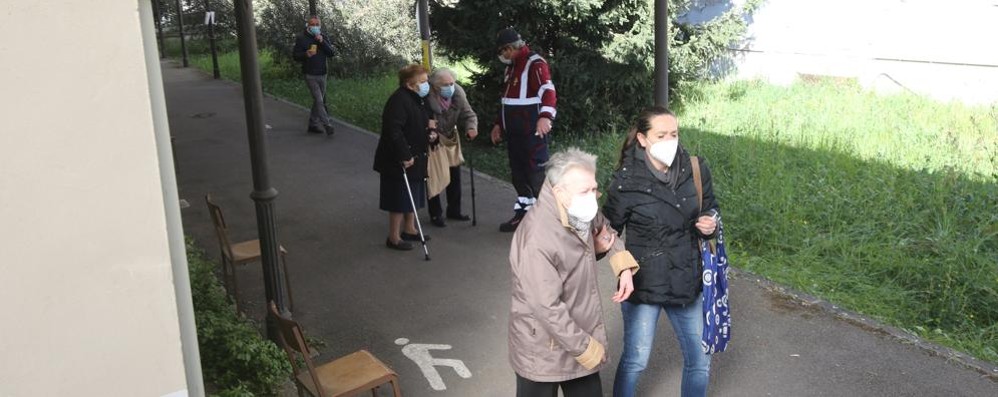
[{"x": 234, "y": 357}]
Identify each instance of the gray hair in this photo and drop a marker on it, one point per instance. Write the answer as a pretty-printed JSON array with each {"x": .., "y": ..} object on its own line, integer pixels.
[
  {"x": 561, "y": 162},
  {"x": 517, "y": 44},
  {"x": 438, "y": 74}
]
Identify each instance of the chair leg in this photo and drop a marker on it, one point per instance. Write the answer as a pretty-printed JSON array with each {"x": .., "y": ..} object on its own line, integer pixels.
[
  {"x": 287, "y": 283},
  {"x": 395, "y": 386},
  {"x": 235, "y": 286}
]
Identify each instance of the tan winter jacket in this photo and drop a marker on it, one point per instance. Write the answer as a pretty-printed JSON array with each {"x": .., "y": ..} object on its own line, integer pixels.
[{"x": 556, "y": 330}]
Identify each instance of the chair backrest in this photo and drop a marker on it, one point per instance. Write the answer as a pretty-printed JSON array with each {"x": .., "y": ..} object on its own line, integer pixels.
[
  {"x": 221, "y": 230},
  {"x": 293, "y": 342}
]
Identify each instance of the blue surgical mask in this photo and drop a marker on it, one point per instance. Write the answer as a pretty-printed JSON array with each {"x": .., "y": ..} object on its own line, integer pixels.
[
  {"x": 424, "y": 89},
  {"x": 315, "y": 30},
  {"x": 447, "y": 91}
]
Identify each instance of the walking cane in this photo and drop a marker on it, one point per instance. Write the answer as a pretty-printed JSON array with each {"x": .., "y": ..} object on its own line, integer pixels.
[
  {"x": 415, "y": 213},
  {"x": 474, "y": 211}
]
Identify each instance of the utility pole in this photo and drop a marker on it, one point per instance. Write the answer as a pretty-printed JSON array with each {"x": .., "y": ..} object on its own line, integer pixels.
[
  {"x": 311, "y": 8},
  {"x": 662, "y": 53},
  {"x": 180, "y": 24},
  {"x": 263, "y": 193},
  {"x": 158, "y": 16},
  {"x": 424, "y": 32},
  {"x": 211, "y": 40}
]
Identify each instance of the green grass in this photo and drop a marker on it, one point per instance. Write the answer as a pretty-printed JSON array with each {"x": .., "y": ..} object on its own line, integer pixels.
[{"x": 886, "y": 205}]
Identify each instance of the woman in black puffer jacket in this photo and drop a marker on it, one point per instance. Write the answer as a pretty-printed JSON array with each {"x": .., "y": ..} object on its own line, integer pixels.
[{"x": 654, "y": 197}]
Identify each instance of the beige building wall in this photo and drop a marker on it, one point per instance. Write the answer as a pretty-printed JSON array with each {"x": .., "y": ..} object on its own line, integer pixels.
[{"x": 85, "y": 281}]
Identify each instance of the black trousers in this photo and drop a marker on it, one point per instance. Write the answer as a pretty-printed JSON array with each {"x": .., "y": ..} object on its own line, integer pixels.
[
  {"x": 453, "y": 196},
  {"x": 586, "y": 386},
  {"x": 527, "y": 152}
]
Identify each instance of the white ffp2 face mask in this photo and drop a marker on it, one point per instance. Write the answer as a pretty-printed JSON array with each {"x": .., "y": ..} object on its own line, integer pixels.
[
  {"x": 665, "y": 151},
  {"x": 584, "y": 207}
]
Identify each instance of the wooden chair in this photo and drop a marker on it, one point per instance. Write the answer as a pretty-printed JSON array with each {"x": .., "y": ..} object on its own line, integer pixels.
[
  {"x": 240, "y": 254},
  {"x": 345, "y": 376}
]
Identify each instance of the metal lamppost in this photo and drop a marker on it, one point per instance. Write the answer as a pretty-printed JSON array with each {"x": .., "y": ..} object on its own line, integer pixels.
[
  {"x": 662, "y": 53},
  {"x": 311, "y": 8},
  {"x": 180, "y": 24},
  {"x": 158, "y": 16},
  {"x": 211, "y": 40},
  {"x": 424, "y": 32},
  {"x": 263, "y": 193}
]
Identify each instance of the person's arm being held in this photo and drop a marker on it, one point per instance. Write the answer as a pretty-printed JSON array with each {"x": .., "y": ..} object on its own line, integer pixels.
[{"x": 622, "y": 263}]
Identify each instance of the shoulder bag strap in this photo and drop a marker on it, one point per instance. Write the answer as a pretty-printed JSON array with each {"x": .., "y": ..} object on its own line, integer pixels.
[{"x": 696, "y": 179}]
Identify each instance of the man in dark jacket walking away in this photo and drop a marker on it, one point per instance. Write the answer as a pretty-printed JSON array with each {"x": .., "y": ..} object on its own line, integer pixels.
[{"x": 312, "y": 48}]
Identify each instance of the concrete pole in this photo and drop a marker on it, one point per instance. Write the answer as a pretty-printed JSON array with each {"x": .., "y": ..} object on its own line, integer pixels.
[
  {"x": 662, "y": 53},
  {"x": 263, "y": 193}
]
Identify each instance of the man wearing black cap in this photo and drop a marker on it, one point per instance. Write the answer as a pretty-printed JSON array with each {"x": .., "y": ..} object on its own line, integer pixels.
[{"x": 528, "y": 107}]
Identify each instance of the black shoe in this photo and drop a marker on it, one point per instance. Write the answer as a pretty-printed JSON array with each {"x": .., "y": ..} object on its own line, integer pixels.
[
  {"x": 330, "y": 130},
  {"x": 401, "y": 246},
  {"x": 413, "y": 237},
  {"x": 459, "y": 217},
  {"x": 511, "y": 225},
  {"x": 315, "y": 130},
  {"x": 438, "y": 221}
]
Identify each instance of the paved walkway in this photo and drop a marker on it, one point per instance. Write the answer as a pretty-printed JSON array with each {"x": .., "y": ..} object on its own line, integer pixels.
[{"x": 354, "y": 293}]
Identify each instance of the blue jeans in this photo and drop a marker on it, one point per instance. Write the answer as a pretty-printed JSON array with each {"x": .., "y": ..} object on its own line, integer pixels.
[{"x": 640, "y": 321}]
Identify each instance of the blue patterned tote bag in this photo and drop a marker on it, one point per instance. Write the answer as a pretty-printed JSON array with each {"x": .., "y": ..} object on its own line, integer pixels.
[{"x": 714, "y": 258}]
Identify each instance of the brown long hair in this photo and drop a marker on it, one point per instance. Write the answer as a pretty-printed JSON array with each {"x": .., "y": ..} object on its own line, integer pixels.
[{"x": 641, "y": 125}]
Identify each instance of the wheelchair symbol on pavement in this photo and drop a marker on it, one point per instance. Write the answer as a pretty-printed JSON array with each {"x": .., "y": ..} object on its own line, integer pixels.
[{"x": 420, "y": 354}]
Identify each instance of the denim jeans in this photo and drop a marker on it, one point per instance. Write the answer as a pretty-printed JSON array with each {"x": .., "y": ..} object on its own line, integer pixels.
[{"x": 640, "y": 321}]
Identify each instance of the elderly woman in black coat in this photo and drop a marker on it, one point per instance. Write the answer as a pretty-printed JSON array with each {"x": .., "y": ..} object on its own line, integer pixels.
[{"x": 407, "y": 129}]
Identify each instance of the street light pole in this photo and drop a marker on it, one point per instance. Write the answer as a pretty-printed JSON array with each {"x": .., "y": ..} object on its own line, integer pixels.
[
  {"x": 311, "y": 8},
  {"x": 263, "y": 193},
  {"x": 180, "y": 24},
  {"x": 662, "y": 53},
  {"x": 211, "y": 40},
  {"x": 424, "y": 32},
  {"x": 158, "y": 16}
]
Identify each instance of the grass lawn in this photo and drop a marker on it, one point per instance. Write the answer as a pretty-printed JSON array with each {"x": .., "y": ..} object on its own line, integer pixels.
[{"x": 886, "y": 205}]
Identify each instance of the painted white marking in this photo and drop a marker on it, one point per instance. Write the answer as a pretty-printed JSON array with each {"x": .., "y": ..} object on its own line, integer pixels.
[
  {"x": 209, "y": 17},
  {"x": 420, "y": 354}
]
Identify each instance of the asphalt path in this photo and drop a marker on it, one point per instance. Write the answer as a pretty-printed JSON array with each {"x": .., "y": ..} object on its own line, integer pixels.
[{"x": 353, "y": 293}]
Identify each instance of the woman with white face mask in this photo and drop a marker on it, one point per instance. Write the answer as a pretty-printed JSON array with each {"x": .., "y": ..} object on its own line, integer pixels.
[
  {"x": 408, "y": 128},
  {"x": 654, "y": 196},
  {"x": 454, "y": 116}
]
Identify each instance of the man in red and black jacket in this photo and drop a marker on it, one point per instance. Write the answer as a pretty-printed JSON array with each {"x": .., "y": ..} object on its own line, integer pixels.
[{"x": 528, "y": 108}]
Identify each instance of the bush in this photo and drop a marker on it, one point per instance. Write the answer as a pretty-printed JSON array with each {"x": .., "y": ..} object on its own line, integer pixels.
[
  {"x": 234, "y": 357},
  {"x": 599, "y": 51}
]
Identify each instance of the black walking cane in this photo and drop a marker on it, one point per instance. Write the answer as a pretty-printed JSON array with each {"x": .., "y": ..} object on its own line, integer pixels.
[
  {"x": 415, "y": 213},
  {"x": 474, "y": 211}
]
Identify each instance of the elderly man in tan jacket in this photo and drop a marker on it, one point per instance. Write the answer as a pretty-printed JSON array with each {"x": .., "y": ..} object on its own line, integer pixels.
[{"x": 556, "y": 331}]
